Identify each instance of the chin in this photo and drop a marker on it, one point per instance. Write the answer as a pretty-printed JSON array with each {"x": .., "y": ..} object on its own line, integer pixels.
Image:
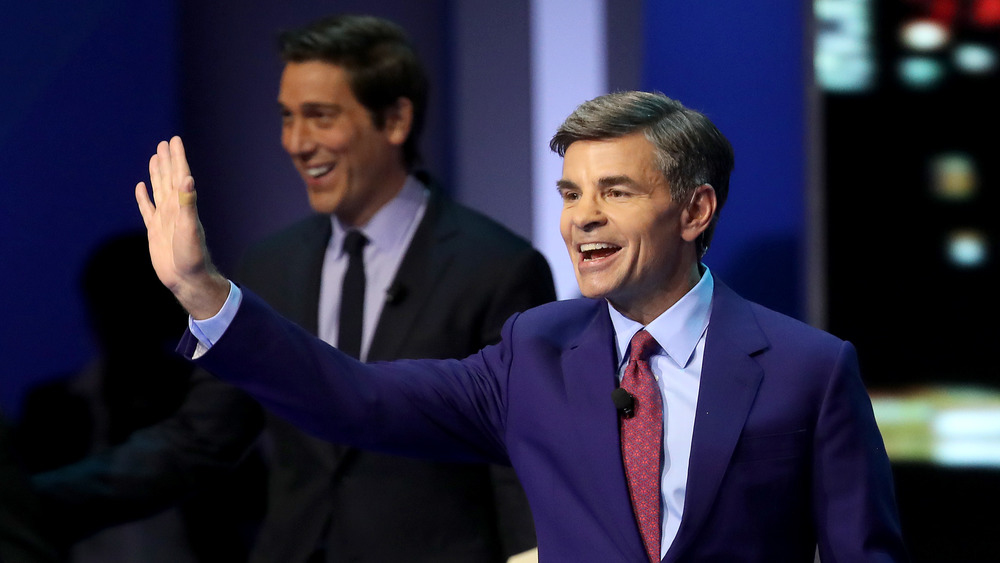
[
  {"x": 321, "y": 209},
  {"x": 321, "y": 204},
  {"x": 592, "y": 293}
]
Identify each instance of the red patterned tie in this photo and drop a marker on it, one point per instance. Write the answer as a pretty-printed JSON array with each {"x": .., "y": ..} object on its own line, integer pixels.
[{"x": 642, "y": 435}]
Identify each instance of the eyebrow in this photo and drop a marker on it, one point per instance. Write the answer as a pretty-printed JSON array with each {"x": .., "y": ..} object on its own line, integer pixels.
[
  {"x": 619, "y": 180},
  {"x": 605, "y": 182},
  {"x": 565, "y": 185},
  {"x": 311, "y": 106}
]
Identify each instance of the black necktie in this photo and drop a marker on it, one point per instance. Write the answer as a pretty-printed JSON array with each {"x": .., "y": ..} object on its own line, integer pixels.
[{"x": 352, "y": 297}]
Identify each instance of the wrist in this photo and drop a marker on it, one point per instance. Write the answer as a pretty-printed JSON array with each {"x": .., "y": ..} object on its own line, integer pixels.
[{"x": 204, "y": 296}]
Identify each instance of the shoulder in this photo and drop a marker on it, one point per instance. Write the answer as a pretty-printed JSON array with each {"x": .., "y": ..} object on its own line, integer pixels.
[
  {"x": 485, "y": 252},
  {"x": 314, "y": 229},
  {"x": 563, "y": 321},
  {"x": 301, "y": 239},
  {"x": 288, "y": 256},
  {"x": 473, "y": 227},
  {"x": 755, "y": 328},
  {"x": 781, "y": 326}
]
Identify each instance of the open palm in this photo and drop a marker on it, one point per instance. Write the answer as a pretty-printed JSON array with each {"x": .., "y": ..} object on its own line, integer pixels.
[{"x": 176, "y": 238}]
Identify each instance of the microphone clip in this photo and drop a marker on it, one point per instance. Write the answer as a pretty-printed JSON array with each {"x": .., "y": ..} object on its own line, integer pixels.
[
  {"x": 624, "y": 402},
  {"x": 395, "y": 294}
]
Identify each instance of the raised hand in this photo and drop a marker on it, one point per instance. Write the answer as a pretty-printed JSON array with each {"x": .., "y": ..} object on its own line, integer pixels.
[{"x": 176, "y": 238}]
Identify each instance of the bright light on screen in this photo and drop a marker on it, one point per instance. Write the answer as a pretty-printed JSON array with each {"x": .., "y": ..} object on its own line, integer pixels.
[
  {"x": 845, "y": 57},
  {"x": 924, "y": 35},
  {"x": 909, "y": 102},
  {"x": 975, "y": 58},
  {"x": 953, "y": 176},
  {"x": 954, "y": 426},
  {"x": 967, "y": 248},
  {"x": 921, "y": 72}
]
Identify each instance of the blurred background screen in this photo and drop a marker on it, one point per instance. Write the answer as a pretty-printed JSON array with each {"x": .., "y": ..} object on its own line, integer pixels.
[
  {"x": 908, "y": 92},
  {"x": 907, "y": 125}
]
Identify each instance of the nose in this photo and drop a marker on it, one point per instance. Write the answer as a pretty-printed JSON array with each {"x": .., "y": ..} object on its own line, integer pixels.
[
  {"x": 296, "y": 138},
  {"x": 587, "y": 214}
]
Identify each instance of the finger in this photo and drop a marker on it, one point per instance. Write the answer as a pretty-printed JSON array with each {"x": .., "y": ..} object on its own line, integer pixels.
[
  {"x": 186, "y": 196},
  {"x": 164, "y": 173},
  {"x": 178, "y": 161},
  {"x": 146, "y": 207},
  {"x": 154, "y": 179}
]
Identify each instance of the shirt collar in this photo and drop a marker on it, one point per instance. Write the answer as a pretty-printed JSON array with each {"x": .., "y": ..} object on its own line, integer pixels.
[
  {"x": 386, "y": 229},
  {"x": 677, "y": 330}
]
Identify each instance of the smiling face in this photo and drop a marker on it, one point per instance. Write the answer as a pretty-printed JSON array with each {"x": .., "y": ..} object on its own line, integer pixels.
[
  {"x": 629, "y": 242},
  {"x": 350, "y": 166}
]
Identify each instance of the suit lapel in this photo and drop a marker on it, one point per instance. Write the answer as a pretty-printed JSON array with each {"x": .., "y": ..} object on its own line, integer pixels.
[
  {"x": 305, "y": 266},
  {"x": 590, "y": 371},
  {"x": 418, "y": 273},
  {"x": 730, "y": 378},
  {"x": 425, "y": 260}
]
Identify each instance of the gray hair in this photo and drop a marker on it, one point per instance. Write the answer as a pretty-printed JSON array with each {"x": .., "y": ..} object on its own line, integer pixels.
[{"x": 689, "y": 150}]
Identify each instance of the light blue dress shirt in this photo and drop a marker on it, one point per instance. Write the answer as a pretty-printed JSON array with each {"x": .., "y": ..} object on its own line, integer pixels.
[
  {"x": 389, "y": 233},
  {"x": 680, "y": 332}
]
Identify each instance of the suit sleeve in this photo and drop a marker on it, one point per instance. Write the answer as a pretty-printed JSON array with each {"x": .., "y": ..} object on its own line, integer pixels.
[
  {"x": 853, "y": 494},
  {"x": 157, "y": 466}
]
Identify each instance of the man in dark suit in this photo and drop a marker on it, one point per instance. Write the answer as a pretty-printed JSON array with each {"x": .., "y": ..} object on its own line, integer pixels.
[
  {"x": 440, "y": 280},
  {"x": 662, "y": 417}
]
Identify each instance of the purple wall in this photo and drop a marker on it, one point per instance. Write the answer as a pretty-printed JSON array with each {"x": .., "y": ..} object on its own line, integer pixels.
[
  {"x": 744, "y": 65},
  {"x": 85, "y": 91}
]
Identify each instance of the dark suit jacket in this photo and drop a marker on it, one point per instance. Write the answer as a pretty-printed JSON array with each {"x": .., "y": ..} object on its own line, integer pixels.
[
  {"x": 785, "y": 454},
  {"x": 461, "y": 277},
  {"x": 198, "y": 458},
  {"x": 25, "y": 536}
]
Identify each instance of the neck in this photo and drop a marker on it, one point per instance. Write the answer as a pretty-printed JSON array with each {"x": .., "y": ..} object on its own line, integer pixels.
[
  {"x": 658, "y": 300},
  {"x": 394, "y": 182}
]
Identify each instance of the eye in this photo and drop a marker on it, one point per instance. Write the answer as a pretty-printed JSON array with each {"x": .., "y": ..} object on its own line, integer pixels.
[
  {"x": 324, "y": 119},
  {"x": 569, "y": 195},
  {"x": 616, "y": 193}
]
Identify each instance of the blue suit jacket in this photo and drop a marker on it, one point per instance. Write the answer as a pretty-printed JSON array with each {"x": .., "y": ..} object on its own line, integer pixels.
[{"x": 785, "y": 454}]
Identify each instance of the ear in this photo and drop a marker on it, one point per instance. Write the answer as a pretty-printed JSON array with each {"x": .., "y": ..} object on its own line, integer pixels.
[
  {"x": 398, "y": 121},
  {"x": 698, "y": 212}
]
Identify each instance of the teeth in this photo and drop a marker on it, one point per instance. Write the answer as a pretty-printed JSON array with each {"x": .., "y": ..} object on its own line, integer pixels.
[
  {"x": 317, "y": 171},
  {"x": 591, "y": 246}
]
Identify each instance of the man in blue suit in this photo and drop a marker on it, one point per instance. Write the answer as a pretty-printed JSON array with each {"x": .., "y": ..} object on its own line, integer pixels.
[{"x": 740, "y": 434}]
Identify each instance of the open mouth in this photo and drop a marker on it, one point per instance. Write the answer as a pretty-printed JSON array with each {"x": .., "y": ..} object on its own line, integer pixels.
[
  {"x": 597, "y": 250},
  {"x": 319, "y": 171}
]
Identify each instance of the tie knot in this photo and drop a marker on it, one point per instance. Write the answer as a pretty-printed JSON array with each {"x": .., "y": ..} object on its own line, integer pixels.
[
  {"x": 643, "y": 346},
  {"x": 354, "y": 242}
]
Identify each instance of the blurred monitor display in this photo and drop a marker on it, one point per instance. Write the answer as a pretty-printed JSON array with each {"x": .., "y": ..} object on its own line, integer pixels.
[{"x": 910, "y": 134}]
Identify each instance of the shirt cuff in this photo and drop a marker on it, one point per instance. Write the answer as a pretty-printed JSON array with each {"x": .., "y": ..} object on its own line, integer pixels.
[{"x": 209, "y": 331}]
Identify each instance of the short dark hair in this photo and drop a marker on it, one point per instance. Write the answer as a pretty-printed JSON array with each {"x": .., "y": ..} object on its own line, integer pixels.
[
  {"x": 690, "y": 150},
  {"x": 381, "y": 65}
]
